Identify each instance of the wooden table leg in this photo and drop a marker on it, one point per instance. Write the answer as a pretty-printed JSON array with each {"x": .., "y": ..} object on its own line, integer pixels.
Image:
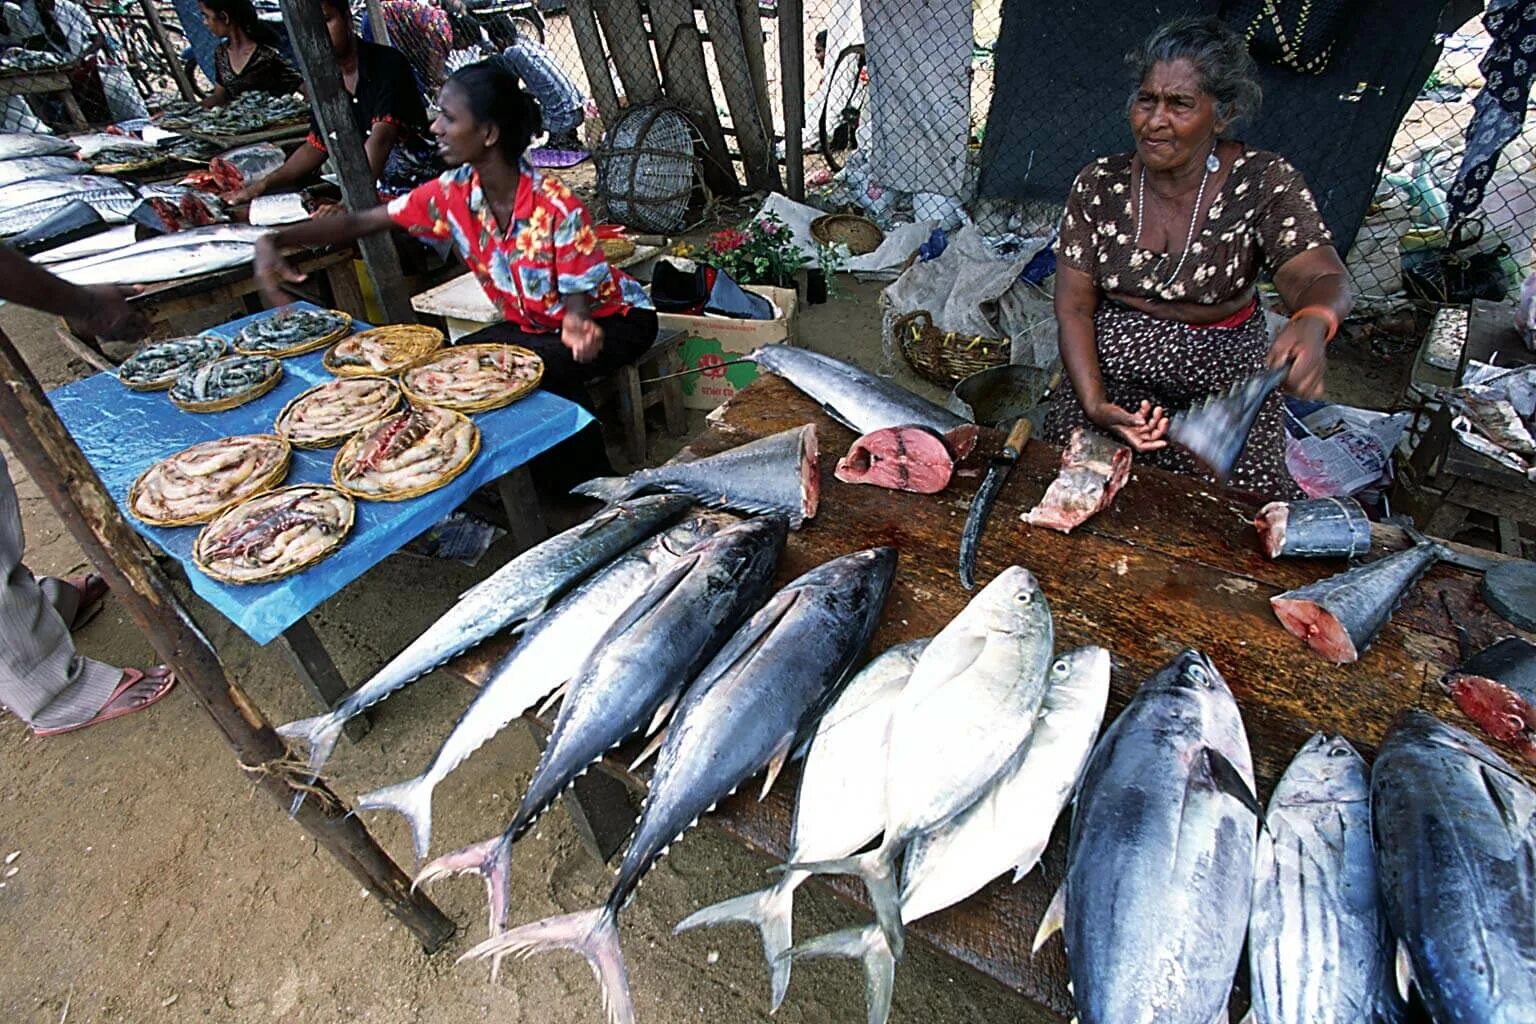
[
  {"x": 345, "y": 291},
  {"x": 72, "y": 108},
  {"x": 600, "y": 807},
  {"x": 318, "y": 673},
  {"x": 632, "y": 414},
  {"x": 525, "y": 519}
]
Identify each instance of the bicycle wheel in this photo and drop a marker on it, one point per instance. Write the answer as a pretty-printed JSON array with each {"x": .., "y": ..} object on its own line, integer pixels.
[
  {"x": 847, "y": 93},
  {"x": 528, "y": 24}
]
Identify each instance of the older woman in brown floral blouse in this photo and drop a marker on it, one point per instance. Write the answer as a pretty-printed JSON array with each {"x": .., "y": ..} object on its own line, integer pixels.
[{"x": 1160, "y": 253}]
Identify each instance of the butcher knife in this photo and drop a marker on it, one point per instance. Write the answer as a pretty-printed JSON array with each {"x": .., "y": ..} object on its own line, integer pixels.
[{"x": 986, "y": 494}]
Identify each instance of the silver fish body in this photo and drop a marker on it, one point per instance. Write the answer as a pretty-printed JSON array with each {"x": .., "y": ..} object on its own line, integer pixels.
[
  {"x": 1319, "y": 951},
  {"x": 23, "y": 193},
  {"x": 859, "y": 400},
  {"x": 166, "y": 264},
  {"x": 1455, "y": 831},
  {"x": 27, "y": 167},
  {"x": 1338, "y": 617},
  {"x": 14, "y": 145}
]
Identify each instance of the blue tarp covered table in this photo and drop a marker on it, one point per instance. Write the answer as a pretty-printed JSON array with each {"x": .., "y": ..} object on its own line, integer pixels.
[{"x": 123, "y": 432}]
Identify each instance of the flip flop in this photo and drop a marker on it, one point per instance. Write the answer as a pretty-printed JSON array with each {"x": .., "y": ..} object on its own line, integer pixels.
[
  {"x": 135, "y": 691},
  {"x": 93, "y": 591}
]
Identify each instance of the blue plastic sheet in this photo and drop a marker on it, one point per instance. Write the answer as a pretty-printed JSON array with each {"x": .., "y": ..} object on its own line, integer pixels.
[{"x": 123, "y": 432}]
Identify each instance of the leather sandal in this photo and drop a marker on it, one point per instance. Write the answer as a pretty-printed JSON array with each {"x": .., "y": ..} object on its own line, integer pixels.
[{"x": 135, "y": 691}]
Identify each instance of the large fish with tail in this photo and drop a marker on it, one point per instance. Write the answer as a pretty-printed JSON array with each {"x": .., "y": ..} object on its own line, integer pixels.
[
  {"x": 27, "y": 167},
  {"x": 1339, "y": 617},
  {"x": 515, "y": 593},
  {"x": 548, "y": 654},
  {"x": 1319, "y": 951},
  {"x": 1160, "y": 862},
  {"x": 14, "y": 145},
  {"x": 839, "y": 808},
  {"x": 1007, "y": 828},
  {"x": 749, "y": 708},
  {"x": 634, "y": 676},
  {"x": 1455, "y": 832},
  {"x": 773, "y": 475},
  {"x": 961, "y": 722}
]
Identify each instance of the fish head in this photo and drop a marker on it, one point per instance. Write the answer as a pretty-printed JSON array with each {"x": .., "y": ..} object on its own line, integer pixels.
[
  {"x": 664, "y": 505},
  {"x": 692, "y": 530},
  {"x": 1327, "y": 769},
  {"x": 1421, "y": 731},
  {"x": 762, "y": 535},
  {"x": 1084, "y": 670},
  {"x": 1013, "y": 603},
  {"x": 1196, "y": 696}
]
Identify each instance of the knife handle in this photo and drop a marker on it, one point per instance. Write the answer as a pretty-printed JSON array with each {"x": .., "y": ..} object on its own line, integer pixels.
[{"x": 1018, "y": 436}]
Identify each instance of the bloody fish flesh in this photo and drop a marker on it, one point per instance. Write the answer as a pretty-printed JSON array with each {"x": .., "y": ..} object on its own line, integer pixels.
[
  {"x": 1093, "y": 469},
  {"x": 1496, "y": 688}
]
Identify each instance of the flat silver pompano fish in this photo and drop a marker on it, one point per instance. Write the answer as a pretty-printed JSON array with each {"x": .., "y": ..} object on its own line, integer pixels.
[
  {"x": 961, "y": 722},
  {"x": 1455, "y": 831},
  {"x": 1160, "y": 862},
  {"x": 750, "y": 707},
  {"x": 773, "y": 474},
  {"x": 515, "y": 593},
  {"x": 24, "y": 144},
  {"x": 1007, "y": 828},
  {"x": 547, "y": 655},
  {"x": 27, "y": 167},
  {"x": 1319, "y": 951},
  {"x": 839, "y": 807}
]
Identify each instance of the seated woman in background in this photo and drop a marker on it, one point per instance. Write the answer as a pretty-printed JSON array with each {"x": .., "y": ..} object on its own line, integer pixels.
[
  {"x": 386, "y": 107},
  {"x": 247, "y": 60},
  {"x": 523, "y": 234},
  {"x": 1159, "y": 258}
]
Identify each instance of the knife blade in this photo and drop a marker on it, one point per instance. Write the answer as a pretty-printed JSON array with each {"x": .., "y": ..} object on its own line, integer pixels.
[{"x": 986, "y": 494}]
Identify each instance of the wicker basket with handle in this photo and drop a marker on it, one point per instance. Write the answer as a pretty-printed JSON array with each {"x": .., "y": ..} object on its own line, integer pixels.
[{"x": 945, "y": 357}]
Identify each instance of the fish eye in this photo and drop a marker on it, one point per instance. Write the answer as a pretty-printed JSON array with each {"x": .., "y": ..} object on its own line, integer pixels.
[
  {"x": 1059, "y": 667},
  {"x": 1025, "y": 597},
  {"x": 1338, "y": 752}
]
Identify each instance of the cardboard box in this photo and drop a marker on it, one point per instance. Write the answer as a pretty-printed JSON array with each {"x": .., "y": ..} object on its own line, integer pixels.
[{"x": 711, "y": 341}]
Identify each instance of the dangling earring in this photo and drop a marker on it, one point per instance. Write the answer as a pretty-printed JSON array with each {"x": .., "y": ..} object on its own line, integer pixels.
[{"x": 1211, "y": 163}]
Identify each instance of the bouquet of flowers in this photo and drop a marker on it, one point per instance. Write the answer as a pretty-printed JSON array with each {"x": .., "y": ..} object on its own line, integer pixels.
[{"x": 760, "y": 252}]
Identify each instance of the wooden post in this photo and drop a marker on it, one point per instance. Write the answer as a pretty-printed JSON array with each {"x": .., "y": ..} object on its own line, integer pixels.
[
  {"x": 751, "y": 18},
  {"x": 69, "y": 483},
  {"x": 172, "y": 55},
  {"x": 377, "y": 24},
  {"x": 589, "y": 43},
  {"x": 792, "y": 67},
  {"x": 622, "y": 27},
  {"x": 685, "y": 80},
  {"x": 333, "y": 111},
  {"x": 752, "y": 133}
]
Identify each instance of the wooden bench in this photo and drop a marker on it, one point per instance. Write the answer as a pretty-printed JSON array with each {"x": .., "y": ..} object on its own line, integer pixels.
[{"x": 634, "y": 397}]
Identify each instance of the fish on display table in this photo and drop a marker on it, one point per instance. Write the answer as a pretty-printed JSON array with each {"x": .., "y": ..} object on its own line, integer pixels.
[
  {"x": 15, "y": 145},
  {"x": 26, "y": 167},
  {"x": 1093, "y": 469},
  {"x": 1339, "y": 617},
  {"x": 748, "y": 709},
  {"x": 634, "y": 676},
  {"x": 1215, "y": 430},
  {"x": 1160, "y": 860},
  {"x": 1319, "y": 528},
  {"x": 1455, "y": 832},
  {"x": 1496, "y": 688},
  {"x": 1319, "y": 950}
]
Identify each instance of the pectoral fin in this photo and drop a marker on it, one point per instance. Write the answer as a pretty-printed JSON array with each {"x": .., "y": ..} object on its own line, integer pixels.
[
  {"x": 1051, "y": 923},
  {"x": 1227, "y": 779},
  {"x": 1404, "y": 971}
]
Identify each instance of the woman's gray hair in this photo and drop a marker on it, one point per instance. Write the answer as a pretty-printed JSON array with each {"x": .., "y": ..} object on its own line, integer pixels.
[{"x": 1220, "y": 58}]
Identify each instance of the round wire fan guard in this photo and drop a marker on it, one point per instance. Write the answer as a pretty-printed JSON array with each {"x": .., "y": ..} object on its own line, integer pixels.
[{"x": 646, "y": 169}]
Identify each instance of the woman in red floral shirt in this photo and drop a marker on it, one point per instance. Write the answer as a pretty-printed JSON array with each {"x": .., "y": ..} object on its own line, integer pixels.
[{"x": 526, "y": 237}]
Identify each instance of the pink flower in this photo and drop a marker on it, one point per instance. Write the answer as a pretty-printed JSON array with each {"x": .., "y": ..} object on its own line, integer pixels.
[{"x": 769, "y": 227}]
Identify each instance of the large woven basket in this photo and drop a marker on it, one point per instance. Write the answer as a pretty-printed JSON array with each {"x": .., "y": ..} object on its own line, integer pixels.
[
  {"x": 405, "y": 345},
  {"x": 409, "y": 384},
  {"x": 211, "y": 345},
  {"x": 348, "y": 452},
  {"x": 945, "y": 357},
  {"x": 860, "y": 234},
  {"x": 252, "y": 488},
  {"x": 210, "y": 569},
  {"x": 300, "y": 348},
  {"x": 235, "y": 400},
  {"x": 280, "y": 426}
]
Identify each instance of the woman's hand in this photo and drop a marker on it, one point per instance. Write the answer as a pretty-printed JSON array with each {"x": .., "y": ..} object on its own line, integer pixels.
[
  {"x": 1144, "y": 430},
  {"x": 106, "y": 314},
  {"x": 273, "y": 271},
  {"x": 581, "y": 334},
  {"x": 1303, "y": 343},
  {"x": 251, "y": 191}
]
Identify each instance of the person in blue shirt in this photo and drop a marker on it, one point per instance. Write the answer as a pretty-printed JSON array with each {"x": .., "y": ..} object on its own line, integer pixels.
[{"x": 559, "y": 97}]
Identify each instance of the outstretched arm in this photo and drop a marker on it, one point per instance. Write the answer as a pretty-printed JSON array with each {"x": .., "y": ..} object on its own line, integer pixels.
[
  {"x": 100, "y": 311},
  {"x": 1315, "y": 285},
  {"x": 272, "y": 270}
]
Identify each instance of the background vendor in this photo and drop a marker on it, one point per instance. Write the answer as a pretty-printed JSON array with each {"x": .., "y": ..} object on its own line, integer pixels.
[
  {"x": 523, "y": 234},
  {"x": 248, "y": 59},
  {"x": 386, "y": 107},
  {"x": 1159, "y": 259}
]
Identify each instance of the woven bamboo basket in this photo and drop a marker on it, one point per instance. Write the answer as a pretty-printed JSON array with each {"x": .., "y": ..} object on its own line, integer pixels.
[
  {"x": 235, "y": 400},
  {"x": 482, "y": 405},
  {"x": 216, "y": 344},
  {"x": 405, "y": 345},
  {"x": 615, "y": 249},
  {"x": 860, "y": 234},
  {"x": 279, "y": 425},
  {"x": 256, "y": 486},
  {"x": 944, "y": 357},
  {"x": 348, "y": 452},
  {"x": 308, "y": 345},
  {"x": 278, "y": 572}
]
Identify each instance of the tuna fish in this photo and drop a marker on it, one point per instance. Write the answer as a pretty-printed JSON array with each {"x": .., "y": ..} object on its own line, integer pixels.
[
  {"x": 169, "y": 264},
  {"x": 1319, "y": 951},
  {"x": 1093, "y": 469},
  {"x": 839, "y": 807},
  {"x": 14, "y": 145},
  {"x": 750, "y": 706},
  {"x": 1007, "y": 828},
  {"x": 548, "y": 654},
  {"x": 1339, "y": 617},
  {"x": 22, "y": 193},
  {"x": 634, "y": 676},
  {"x": 1216, "y": 430},
  {"x": 1160, "y": 860},
  {"x": 1496, "y": 688},
  {"x": 961, "y": 723},
  {"x": 1455, "y": 832},
  {"x": 515, "y": 593},
  {"x": 27, "y": 167},
  {"x": 912, "y": 459},
  {"x": 1320, "y": 528},
  {"x": 777, "y": 474}
]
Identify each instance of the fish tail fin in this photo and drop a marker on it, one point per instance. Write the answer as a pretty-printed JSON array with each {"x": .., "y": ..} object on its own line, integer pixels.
[
  {"x": 412, "y": 799},
  {"x": 605, "y": 488},
  {"x": 592, "y": 933},
  {"x": 768, "y": 910},
  {"x": 1051, "y": 922},
  {"x": 877, "y": 869},
  {"x": 491, "y": 859},
  {"x": 865, "y": 944},
  {"x": 320, "y": 734}
]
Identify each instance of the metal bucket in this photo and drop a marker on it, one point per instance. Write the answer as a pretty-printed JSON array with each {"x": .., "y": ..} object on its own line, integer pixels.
[{"x": 999, "y": 395}]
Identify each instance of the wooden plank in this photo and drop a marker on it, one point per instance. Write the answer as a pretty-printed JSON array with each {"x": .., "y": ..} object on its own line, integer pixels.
[
  {"x": 594, "y": 58},
  {"x": 291, "y": 131},
  {"x": 631, "y": 52},
  {"x": 792, "y": 67},
  {"x": 750, "y": 16},
  {"x": 685, "y": 80},
  {"x": 753, "y": 127},
  {"x": 525, "y": 518},
  {"x": 318, "y": 674},
  {"x": 168, "y": 50}
]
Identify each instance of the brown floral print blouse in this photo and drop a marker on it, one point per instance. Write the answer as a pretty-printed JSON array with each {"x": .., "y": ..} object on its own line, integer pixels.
[{"x": 1264, "y": 214}]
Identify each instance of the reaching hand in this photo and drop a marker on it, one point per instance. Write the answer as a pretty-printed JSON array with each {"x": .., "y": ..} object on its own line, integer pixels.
[
  {"x": 1304, "y": 344},
  {"x": 581, "y": 334},
  {"x": 249, "y": 192},
  {"x": 272, "y": 271},
  {"x": 1143, "y": 429},
  {"x": 107, "y": 315}
]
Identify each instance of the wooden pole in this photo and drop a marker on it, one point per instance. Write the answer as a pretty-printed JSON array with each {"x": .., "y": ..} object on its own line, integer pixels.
[
  {"x": 751, "y": 18},
  {"x": 67, "y": 480},
  {"x": 589, "y": 43},
  {"x": 624, "y": 31},
  {"x": 378, "y": 24},
  {"x": 172, "y": 55},
  {"x": 792, "y": 66},
  {"x": 752, "y": 135},
  {"x": 333, "y": 110},
  {"x": 685, "y": 80}
]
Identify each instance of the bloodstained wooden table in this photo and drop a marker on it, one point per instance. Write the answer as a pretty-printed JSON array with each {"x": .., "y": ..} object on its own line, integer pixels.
[{"x": 1171, "y": 565}]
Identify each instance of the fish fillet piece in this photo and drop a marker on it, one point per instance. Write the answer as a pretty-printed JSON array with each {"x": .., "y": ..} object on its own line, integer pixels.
[
  {"x": 1093, "y": 469},
  {"x": 1496, "y": 688},
  {"x": 1319, "y": 528},
  {"x": 898, "y": 458},
  {"x": 1339, "y": 617}
]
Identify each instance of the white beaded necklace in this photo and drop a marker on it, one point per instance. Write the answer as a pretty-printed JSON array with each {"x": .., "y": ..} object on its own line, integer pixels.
[{"x": 1212, "y": 163}]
